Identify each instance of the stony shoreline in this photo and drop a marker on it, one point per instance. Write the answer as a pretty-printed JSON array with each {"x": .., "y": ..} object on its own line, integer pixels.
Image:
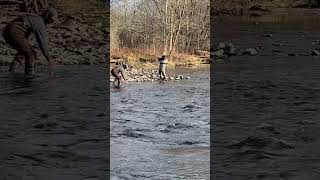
[
  {"x": 72, "y": 40},
  {"x": 141, "y": 75}
]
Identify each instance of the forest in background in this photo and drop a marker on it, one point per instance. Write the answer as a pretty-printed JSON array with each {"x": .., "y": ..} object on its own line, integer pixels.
[{"x": 144, "y": 29}]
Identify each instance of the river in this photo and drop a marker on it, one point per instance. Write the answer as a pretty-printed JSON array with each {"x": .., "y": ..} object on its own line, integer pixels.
[
  {"x": 54, "y": 128},
  {"x": 161, "y": 130},
  {"x": 266, "y": 107}
]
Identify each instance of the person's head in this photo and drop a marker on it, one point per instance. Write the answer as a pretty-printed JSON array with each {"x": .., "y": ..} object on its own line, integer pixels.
[
  {"x": 50, "y": 15},
  {"x": 125, "y": 66},
  {"x": 162, "y": 57}
]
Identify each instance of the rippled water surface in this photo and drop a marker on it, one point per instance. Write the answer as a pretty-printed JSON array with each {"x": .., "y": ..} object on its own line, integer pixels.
[
  {"x": 161, "y": 130},
  {"x": 54, "y": 128},
  {"x": 266, "y": 107}
]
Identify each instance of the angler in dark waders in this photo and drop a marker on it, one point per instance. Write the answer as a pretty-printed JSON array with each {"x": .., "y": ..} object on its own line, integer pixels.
[
  {"x": 162, "y": 67},
  {"x": 17, "y": 32},
  {"x": 116, "y": 71}
]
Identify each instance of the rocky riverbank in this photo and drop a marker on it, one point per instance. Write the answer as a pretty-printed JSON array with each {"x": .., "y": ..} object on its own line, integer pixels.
[
  {"x": 141, "y": 75},
  {"x": 74, "y": 39},
  {"x": 224, "y": 51},
  {"x": 148, "y": 71}
]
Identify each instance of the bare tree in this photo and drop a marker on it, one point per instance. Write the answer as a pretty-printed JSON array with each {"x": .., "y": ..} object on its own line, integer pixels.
[{"x": 165, "y": 25}]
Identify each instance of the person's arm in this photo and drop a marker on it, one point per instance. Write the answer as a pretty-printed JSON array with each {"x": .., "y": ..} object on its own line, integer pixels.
[
  {"x": 42, "y": 42},
  {"x": 39, "y": 30},
  {"x": 123, "y": 74}
]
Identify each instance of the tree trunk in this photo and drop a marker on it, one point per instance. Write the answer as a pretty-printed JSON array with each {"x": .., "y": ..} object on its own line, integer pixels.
[
  {"x": 178, "y": 28},
  {"x": 165, "y": 28}
]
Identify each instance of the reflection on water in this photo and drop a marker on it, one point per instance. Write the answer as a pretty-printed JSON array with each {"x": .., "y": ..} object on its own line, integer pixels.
[{"x": 161, "y": 130}]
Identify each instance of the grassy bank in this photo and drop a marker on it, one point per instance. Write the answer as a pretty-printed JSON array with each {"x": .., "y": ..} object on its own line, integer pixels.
[{"x": 148, "y": 58}]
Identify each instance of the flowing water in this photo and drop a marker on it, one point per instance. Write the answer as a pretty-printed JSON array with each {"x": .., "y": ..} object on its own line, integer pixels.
[
  {"x": 54, "y": 128},
  {"x": 161, "y": 130},
  {"x": 266, "y": 107}
]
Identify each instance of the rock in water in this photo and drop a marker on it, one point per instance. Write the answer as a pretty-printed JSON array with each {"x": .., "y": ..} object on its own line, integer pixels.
[
  {"x": 251, "y": 51},
  {"x": 218, "y": 53},
  {"x": 230, "y": 49},
  {"x": 230, "y": 45},
  {"x": 221, "y": 45}
]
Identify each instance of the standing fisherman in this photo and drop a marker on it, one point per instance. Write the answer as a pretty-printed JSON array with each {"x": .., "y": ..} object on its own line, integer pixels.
[
  {"x": 17, "y": 32},
  {"x": 162, "y": 67}
]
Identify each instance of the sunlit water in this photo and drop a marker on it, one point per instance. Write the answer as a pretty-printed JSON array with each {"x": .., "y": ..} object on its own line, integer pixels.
[{"x": 161, "y": 130}]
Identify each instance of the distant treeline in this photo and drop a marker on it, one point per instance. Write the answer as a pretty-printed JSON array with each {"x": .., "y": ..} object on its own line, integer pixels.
[{"x": 165, "y": 25}]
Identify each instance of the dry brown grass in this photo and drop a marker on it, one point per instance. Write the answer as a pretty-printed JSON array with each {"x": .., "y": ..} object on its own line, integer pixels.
[
  {"x": 148, "y": 58},
  {"x": 143, "y": 55}
]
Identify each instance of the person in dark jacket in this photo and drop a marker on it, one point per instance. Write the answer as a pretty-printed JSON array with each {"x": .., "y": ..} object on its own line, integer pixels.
[
  {"x": 162, "y": 67},
  {"x": 116, "y": 71},
  {"x": 17, "y": 32}
]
